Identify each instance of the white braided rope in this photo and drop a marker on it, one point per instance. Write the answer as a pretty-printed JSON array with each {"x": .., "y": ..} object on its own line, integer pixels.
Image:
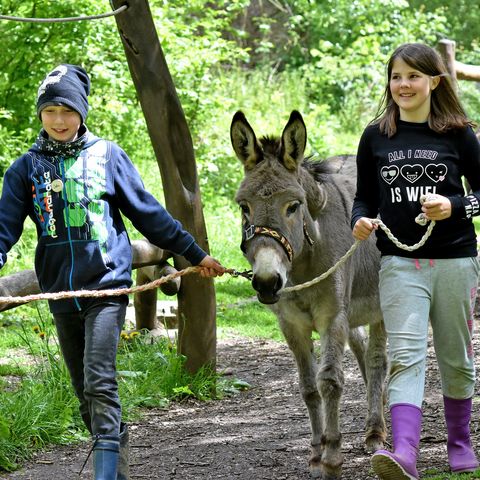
[
  {"x": 323, "y": 276},
  {"x": 403, "y": 246},
  {"x": 420, "y": 219}
]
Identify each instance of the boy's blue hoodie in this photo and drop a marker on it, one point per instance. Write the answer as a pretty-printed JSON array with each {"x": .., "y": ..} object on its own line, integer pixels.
[{"x": 74, "y": 193}]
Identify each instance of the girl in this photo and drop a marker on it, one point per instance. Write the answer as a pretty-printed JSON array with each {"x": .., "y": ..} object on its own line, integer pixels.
[{"x": 421, "y": 142}]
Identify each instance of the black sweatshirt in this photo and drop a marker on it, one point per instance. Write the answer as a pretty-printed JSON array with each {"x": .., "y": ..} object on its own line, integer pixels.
[{"x": 394, "y": 172}]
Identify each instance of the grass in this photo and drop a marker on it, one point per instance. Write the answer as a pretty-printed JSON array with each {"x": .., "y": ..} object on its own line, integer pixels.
[
  {"x": 451, "y": 476},
  {"x": 38, "y": 406}
]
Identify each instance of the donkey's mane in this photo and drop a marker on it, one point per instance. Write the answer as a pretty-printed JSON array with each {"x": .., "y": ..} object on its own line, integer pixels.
[
  {"x": 317, "y": 168},
  {"x": 271, "y": 144}
]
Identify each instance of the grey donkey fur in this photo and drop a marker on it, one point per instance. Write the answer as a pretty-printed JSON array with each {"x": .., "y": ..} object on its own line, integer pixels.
[{"x": 308, "y": 202}]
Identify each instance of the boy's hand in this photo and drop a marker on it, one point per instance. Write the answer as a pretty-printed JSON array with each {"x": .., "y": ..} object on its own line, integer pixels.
[{"x": 211, "y": 267}]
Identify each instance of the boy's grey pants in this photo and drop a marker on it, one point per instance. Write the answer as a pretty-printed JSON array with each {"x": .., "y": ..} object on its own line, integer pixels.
[
  {"x": 89, "y": 340},
  {"x": 412, "y": 291}
]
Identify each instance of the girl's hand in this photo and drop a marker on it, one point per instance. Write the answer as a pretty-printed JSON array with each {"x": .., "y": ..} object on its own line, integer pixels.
[
  {"x": 211, "y": 267},
  {"x": 439, "y": 208},
  {"x": 363, "y": 228}
]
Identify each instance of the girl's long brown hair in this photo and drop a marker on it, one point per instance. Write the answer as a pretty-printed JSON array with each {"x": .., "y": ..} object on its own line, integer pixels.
[{"x": 446, "y": 111}]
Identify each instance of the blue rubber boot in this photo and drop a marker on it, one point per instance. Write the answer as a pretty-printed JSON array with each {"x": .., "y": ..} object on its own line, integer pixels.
[
  {"x": 401, "y": 464},
  {"x": 123, "y": 469},
  {"x": 461, "y": 456},
  {"x": 105, "y": 457}
]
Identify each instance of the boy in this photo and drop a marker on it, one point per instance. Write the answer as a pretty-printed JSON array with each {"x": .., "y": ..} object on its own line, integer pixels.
[{"x": 73, "y": 185}]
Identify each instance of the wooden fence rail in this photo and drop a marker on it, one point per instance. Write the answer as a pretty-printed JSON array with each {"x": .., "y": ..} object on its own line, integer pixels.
[
  {"x": 144, "y": 255},
  {"x": 457, "y": 70}
]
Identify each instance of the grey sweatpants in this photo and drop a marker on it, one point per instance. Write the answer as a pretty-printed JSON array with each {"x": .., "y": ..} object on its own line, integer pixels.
[{"x": 412, "y": 291}]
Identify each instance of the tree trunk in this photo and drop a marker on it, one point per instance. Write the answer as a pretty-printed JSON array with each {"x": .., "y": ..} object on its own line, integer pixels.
[{"x": 173, "y": 148}]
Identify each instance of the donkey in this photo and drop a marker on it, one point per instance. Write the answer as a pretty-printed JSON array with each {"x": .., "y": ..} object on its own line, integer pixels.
[{"x": 296, "y": 225}]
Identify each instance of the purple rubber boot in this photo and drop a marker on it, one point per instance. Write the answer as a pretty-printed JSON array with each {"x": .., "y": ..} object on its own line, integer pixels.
[
  {"x": 401, "y": 464},
  {"x": 461, "y": 456}
]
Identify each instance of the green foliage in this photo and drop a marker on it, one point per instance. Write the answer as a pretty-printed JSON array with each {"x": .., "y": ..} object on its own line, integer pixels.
[
  {"x": 470, "y": 95},
  {"x": 324, "y": 57},
  {"x": 12, "y": 145},
  {"x": 463, "y": 21},
  {"x": 344, "y": 63},
  {"x": 193, "y": 35}
]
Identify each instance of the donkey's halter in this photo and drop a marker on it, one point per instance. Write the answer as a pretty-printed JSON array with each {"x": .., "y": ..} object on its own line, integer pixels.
[{"x": 251, "y": 231}]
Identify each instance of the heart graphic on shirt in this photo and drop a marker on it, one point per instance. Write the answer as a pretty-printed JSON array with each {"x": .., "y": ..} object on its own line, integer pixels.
[
  {"x": 436, "y": 172},
  {"x": 389, "y": 174},
  {"x": 412, "y": 172}
]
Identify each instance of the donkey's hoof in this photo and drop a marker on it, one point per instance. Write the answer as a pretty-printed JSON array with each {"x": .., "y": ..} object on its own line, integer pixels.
[
  {"x": 374, "y": 442},
  {"x": 316, "y": 473},
  {"x": 320, "y": 474},
  {"x": 315, "y": 466},
  {"x": 331, "y": 474}
]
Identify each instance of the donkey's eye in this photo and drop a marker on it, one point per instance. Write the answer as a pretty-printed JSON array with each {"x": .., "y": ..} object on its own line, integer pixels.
[
  {"x": 292, "y": 208},
  {"x": 245, "y": 208}
]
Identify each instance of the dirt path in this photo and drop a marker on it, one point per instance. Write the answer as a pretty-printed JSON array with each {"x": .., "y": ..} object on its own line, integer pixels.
[{"x": 262, "y": 433}]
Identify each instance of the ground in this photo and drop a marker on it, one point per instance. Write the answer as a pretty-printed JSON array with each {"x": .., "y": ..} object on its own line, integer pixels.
[{"x": 261, "y": 433}]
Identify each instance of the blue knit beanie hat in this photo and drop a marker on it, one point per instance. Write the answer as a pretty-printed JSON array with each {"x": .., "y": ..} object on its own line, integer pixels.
[{"x": 67, "y": 85}]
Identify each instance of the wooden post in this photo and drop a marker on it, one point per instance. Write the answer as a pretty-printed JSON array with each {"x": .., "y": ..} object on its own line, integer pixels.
[
  {"x": 457, "y": 70},
  {"x": 447, "y": 51},
  {"x": 173, "y": 148}
]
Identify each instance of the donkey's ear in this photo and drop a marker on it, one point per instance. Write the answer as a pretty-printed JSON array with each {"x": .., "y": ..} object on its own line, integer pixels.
[
  {"x": 294, "y": 141},
  {"x": 244, "y": 141}
]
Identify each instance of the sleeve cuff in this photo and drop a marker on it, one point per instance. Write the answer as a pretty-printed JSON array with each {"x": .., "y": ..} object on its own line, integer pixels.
[
  {"x": 194, "y": 254},
  {"x": 472, "y": 207},
  {"x": 465, "y": 207}
]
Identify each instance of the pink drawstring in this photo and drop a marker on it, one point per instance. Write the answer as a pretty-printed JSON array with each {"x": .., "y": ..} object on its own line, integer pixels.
[{"x": 417, "y": 263}]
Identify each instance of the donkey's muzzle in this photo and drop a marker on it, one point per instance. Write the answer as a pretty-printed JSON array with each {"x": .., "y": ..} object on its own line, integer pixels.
[{"x": 267, "y": 288}]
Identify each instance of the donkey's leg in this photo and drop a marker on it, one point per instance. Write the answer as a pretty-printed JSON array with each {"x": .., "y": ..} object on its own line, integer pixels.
[
  {"x": 358, "y": 339},
  {"x": 330, "y": 381},
  {"x": 376, "y": 362},
  {"x": 372, "y": 360},
  {"x": 300, "y": 343}
]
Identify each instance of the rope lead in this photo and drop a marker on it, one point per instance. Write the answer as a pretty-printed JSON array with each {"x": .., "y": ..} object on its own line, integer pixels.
[
  {"x": 115, "y": 292},
  {"x": 66, "y": 19}
]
